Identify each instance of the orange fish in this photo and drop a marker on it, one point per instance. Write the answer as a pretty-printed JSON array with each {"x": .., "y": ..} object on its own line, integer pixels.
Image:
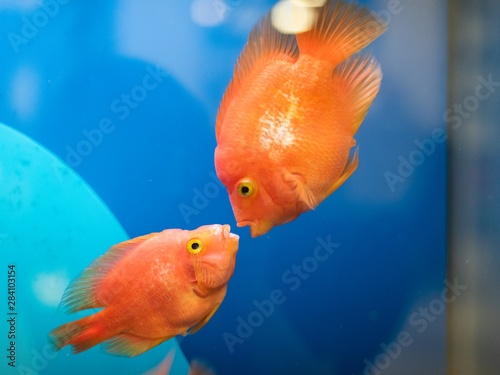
[
  {"x": 286, "y": 123},
  {"x": 151, "y": 288}
]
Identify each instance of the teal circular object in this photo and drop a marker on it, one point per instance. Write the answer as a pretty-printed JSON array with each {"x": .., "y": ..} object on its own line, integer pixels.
[{"x": 52, "y": 225}]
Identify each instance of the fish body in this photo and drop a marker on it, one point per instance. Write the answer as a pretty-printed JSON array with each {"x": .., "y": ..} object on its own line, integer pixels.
[
  {"x": 151, "y": 289},
  {"x": 287, "y": 121}
]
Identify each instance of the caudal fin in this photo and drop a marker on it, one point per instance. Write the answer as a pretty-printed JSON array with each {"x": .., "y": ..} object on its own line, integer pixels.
[
  {"x": 82, "y": 334},
  {"x": 340, "y": 30}
]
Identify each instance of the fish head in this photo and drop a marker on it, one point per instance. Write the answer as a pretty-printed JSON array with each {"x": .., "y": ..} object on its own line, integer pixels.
[
  {"x": 212, "y": 251},
  {"x": 214, "y": 242},
  {"x": 262, "y": 194}
]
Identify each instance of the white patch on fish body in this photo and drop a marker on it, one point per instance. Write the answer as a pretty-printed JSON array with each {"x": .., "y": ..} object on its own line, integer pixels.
[{"x": 276, "y": 128}]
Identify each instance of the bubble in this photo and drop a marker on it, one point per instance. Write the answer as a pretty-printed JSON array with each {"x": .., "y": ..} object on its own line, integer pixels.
[
  {"x": 309, "y": 3},
  {"x": 290, "y": 18},
  {"x": 49, "y": 287},
  {"x": 208, "y": 13},
  {"x": 24, "y": 93}
]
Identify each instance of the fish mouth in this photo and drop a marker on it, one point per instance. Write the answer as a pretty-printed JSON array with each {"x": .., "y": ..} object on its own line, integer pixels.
[
  {"x": 244, "y": 223},
  {"x": 257, "y": 228},
  {"x": 231, "y": 240}
]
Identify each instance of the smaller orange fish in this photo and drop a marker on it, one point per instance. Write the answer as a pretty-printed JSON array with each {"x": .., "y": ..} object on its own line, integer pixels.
[{"x": 152, "y": 288}]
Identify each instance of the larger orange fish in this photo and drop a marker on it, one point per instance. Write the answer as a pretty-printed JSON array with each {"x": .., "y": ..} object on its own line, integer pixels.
[
  {"x": 287, "y": 120},
  {"x": 152, "y": 288}
]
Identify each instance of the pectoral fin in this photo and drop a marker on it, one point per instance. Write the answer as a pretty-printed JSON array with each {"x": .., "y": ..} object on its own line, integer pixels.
[
  {"x": 349, "y": 169},
  {"x": 298, "y": 184},
  {"x": 204, "y": 321}
]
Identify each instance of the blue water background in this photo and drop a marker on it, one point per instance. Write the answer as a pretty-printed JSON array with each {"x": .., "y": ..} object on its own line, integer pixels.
[{"x": 153, "y": 169}]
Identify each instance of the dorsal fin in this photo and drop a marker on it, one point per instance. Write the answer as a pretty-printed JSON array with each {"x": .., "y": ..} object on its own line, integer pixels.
[
  {"x": 340, "y": 30},
  {"x": 265, "y": 44},
  {"x": 361, "y": 75},
  {"x": 81, "y": 293}
]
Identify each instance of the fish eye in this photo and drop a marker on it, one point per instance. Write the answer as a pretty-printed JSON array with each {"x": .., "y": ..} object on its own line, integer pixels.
[
  {"x": 245, "y": 188},
  {"x": 194, "y": 246}
]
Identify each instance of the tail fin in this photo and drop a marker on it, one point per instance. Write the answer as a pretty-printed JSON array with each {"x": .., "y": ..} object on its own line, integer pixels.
[
  {"x": 82, "y": 334},
  {"x": 341, "y": 29},
  {"x": 361, "y": 76}
]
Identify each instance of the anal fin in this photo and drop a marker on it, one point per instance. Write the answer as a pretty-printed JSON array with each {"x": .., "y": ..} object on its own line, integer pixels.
[
  {"x": 130, "y": 345},
  {"x": 204, "y": 321}
]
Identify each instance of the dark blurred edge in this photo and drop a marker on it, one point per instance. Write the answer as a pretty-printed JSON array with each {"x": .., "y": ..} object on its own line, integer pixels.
[{"x": 473, "y": 324}]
